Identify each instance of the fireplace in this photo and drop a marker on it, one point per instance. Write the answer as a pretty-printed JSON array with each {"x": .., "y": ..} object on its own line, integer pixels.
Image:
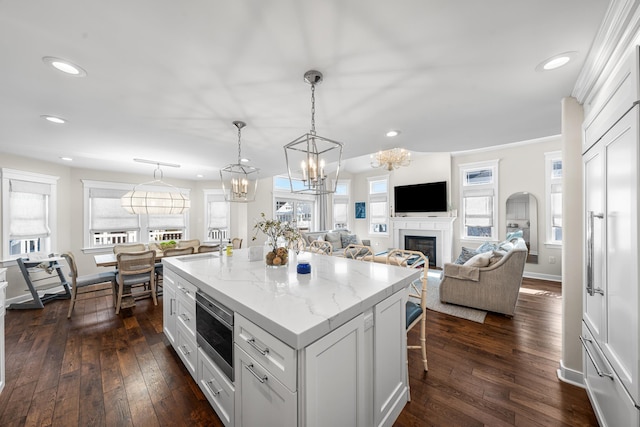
[{"x": 425, "y": 244}]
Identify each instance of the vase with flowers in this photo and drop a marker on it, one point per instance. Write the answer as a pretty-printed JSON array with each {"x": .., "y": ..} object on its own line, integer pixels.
[{"x": 281, "y": 235}]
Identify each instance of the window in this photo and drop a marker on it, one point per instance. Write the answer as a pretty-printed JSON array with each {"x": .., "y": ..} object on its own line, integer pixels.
[
  {"x": 29, "y": 213},
  {"x": 218, "y": 216},
  {"x": 107, "y": 223},
  {"x": 553, "y": 183},
  {"x": 379, "y": 205},
  {"x": 478, "y": 194},
  {"x": 341, "y": 205},
  {"x": 298, "y": 209}
]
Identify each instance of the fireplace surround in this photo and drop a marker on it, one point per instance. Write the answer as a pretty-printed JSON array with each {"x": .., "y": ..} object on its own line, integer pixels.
[{"x": 440, "y": 227}]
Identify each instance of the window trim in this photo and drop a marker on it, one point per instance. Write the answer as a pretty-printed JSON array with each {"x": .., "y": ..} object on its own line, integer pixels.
[
  {"x": 477, "y": 188},
  {"x": 342, "y": 199},
  {"x": 143, "y": 233},
  {"x": 51, "y": 243},
  {"x": 378, "y": 197},
  {"x": 214, "y": 192},
  {"x": 549, "y": 159}
]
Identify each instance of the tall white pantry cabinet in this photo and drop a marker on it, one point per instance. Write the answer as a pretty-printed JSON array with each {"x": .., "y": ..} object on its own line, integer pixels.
[{"x": 611, "y": 356}]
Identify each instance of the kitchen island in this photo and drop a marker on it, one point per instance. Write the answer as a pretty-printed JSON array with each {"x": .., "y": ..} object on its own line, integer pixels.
[{"x": 325, "y": 348}]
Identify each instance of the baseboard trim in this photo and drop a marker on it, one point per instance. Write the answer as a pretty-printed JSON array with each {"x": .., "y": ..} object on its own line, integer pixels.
[
  {"x": 542, "y": 276},
  {"x": 570, "y": 376}
]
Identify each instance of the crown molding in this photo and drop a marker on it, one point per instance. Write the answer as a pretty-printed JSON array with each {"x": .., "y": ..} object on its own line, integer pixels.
[{"x": 619, "y": 28}]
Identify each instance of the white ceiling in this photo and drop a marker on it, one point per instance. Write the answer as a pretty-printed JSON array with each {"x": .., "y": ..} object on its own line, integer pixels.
[{"x": 167, "y": 78}]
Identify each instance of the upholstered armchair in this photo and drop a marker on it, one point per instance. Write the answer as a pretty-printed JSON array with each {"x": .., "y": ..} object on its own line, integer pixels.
[{"x": 493, "y": 287}]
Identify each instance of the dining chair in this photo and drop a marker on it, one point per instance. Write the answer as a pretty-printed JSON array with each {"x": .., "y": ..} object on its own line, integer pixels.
[
  {"x": 128, "y": 247},
  {"x": 169, "y": 253},
  {"x": 178, "y": 251},
  {"x": 416, "y": 312},
  {"x": 208, "y": 248},
  {"x": 88, "y": 283},
  {"x": 236, "y": 242},
  {"x": 135, "y": 270},
  {"x": 358, "y": 252},
  {"x": 321, "y": 247}
]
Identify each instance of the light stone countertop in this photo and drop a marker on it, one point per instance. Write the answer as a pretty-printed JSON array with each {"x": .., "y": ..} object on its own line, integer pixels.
[{"x": 296, "y": 308}]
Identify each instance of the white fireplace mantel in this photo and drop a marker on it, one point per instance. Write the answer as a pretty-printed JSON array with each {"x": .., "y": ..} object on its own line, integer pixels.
[{"x": 440, "y": 227}]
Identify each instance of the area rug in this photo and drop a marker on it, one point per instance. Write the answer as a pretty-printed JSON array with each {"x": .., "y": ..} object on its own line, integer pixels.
[{"x": 433, "y": 301}]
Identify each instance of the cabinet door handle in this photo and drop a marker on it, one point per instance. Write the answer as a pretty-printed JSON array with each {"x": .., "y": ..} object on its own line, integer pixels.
[
  {"x": 598, "y": 370},
  {"x": 171, "y": 310},
  {"x": 183, "y": 290},
  {"x": 252, "y": 343},
  {"x": 211, "y": 384},
  {"x": 185, "y": 350},
  {"x": 255, "y": 374},
  {"x": 185, "y": 317},
  {"x": 590, "y": 290}
]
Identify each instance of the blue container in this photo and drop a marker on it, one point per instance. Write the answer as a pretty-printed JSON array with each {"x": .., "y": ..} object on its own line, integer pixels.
[{"x": 304, "y": 268}]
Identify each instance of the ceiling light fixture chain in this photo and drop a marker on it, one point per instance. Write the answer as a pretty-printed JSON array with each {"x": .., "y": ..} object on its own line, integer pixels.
[
  {"x": 239, "y": 181},
  {"x": 239, "y": 125},
  {"x": 313, "y": 161}
]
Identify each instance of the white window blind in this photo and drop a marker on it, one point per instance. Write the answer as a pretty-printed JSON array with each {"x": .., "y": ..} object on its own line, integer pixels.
[
  {"x": 478, "y": 209},
  {"x": 166, "y": 222},
  {"x": 556, "y": 205},
  {"x": 28, "y": 215},
  {"x": 340, "y": 211},
  {"x": 218, "y": 212},
  {"x": 107, "y": 214}
]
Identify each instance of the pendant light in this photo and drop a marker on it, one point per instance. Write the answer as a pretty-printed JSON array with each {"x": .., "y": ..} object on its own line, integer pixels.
[
  {"x": 313, "y": 160},
  {"x": 239, "y": 180},
  {"x": 169, "y": 202}
]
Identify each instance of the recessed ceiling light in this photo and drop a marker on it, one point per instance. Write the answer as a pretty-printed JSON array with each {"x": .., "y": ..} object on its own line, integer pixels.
[
  {"x": 556, "y": 61},
  {"x": 54, "y": 119},
  {"x": 66, "y": 159},
  {"x": 245, "y": 160},
  {"x": 199, "y": 176},
  {"x": 65, "y": 66},
  {"x": 393, "y": 133}
]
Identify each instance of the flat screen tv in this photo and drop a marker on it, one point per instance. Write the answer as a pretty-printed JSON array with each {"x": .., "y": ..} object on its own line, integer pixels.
[{"x": 427, "y": 197}]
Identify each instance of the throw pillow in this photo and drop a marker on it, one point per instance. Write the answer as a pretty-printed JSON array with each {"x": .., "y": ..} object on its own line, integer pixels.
[
  {"x": 487, "y": 247},
  {"x": 506, "y": 246},
  {"x": 479, "y": 260},
  {"x": 495, "y": 257},
  {"x": 348, "y": 239},
  {"x": 465, "y": 255},
  {"x": 334, "y": 238},
  {"x": 513, "y": 235}
]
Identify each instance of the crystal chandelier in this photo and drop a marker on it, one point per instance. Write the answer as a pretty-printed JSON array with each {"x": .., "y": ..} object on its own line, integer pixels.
[
  {"x": 391, "y": 159},
  {"x": 313, "y": 161},
  {"x": 169, "y": 202},
  {"x": 239, "y": 181}
]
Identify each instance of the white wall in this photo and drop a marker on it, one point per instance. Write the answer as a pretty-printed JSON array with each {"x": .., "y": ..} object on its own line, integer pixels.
[{"x": 521, "y": 168}]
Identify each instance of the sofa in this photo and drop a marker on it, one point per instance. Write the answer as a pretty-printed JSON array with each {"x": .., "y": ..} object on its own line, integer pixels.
[
  {"x": 489, "y": 279},
  {"x": 339, "y": 239}
]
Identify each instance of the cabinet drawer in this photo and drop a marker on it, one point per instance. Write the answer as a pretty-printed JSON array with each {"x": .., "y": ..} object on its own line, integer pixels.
[
  {"x": 186, "y": 315},
  {"x": 186, "y": 292},
  {"x": 186, "y": 348},
  {"x": 216, "y": 387},
  {"x": 261, "y": 400},
  {"x": 277, "y": 357},
  {"x": 611, "y": 403}
]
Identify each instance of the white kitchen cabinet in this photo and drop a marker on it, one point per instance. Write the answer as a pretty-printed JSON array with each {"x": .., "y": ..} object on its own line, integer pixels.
[
  {"x": 610, "y": 337},
  {"x": 261, "y": 400},
  {"x": 390, "y": 392},
  {"x": 179, "y": 323},
  {"x": 169, "y": 304},
  {"x": 217, "y": 388},
  {"x": 334, "y": 377}
]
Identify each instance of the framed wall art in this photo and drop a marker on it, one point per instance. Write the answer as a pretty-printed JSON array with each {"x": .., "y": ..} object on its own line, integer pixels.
[{"x": 361, "y": 210}]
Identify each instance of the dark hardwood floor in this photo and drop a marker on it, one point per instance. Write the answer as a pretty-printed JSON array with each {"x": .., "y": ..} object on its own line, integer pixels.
[{"x": 99, "y": 369}]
